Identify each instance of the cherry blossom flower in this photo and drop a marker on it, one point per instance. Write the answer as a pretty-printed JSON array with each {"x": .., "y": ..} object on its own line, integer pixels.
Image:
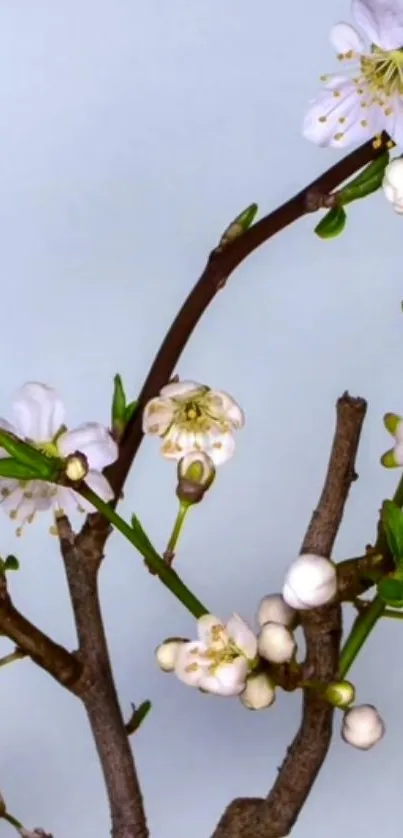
[
  {"x": 355, "y": 106},
  {"x": 220, "y": 660},
  {"x": 191, "y": 417},
  {"x": 38, "y": 419}
]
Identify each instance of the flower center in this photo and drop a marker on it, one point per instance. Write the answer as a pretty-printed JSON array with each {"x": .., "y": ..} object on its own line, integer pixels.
[
  {"x": 50, "y": 447},
  {"x": 383, "y": 71}
]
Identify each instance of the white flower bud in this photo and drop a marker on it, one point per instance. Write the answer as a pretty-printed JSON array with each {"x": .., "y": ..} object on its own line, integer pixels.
[
  {"x": 259, "y": 692},
  {"x": 276, "y": 643},
  {"x": 166, "y": 653},
  {"x": 340, "y": 693},
  {"x": 273, "y": 609},
  {"x": 362, "y": 726},
  {"x": 76, "y": 467},
  {"x": 310, "y": 582},
  {"x": 393, "y": 184}
]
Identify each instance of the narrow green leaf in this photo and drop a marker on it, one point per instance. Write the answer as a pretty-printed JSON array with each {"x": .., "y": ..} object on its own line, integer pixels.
[
  {"x": 332, "y": 224},
  {"x": 18, "y": 471},
  {"x": 130, "y": 410},
  {"x": 366, "y": 182},
  {"x": 138, "y": 715},
  {"x": 118, "y": 400},
  {"x": 25, "y": 454},
  {"x": 392, "y": 522},
  {"x": 390, "y": 590}
]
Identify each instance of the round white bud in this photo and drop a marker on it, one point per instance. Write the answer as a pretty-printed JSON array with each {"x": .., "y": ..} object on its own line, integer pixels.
[
  {"x": 362, "y": 726},
  {"x": 273, "y": 609},
  {"x": 393, "y": 184},
  {"x": 259, "y": 692},
  {"x": 310, "y": 582},
  {"x": 166, "y": 653},
  {"x": 276, "y": 643}
]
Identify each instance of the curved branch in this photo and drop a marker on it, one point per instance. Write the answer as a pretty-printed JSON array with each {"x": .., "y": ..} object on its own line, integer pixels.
[{"x": 275, "y": 816}]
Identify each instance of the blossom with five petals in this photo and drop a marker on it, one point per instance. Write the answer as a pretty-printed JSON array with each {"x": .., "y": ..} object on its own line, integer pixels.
[
  {"x": 191, "y": 417},
  {"x": 354, "y": 107},
  {"x": 38, "y": 419},
  {"x": 220, "y": 661}
]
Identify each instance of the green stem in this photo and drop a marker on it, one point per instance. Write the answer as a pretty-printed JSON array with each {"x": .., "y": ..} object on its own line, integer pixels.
[
  {"x": 366, "y": 621},
  {"x": 177, "y": 528},
  {"x": 166, "y": 574},
  {"x": 11, "y": 820},
  {"x": 394, "y": 615},
  {"x": 359, "y": 633}
]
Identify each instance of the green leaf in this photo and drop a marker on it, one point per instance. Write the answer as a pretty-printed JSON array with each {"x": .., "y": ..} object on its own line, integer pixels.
[
  {"x": 390, "y": 590},
  {"x": 130, "y": 410},
  {"x": 39, "y": 464},
  {"x": 332, "y": 224},
  {"x": 118, "y": 400},
  {"x": 11, "y": 563},
  {"x": 238, "y": 226},
  {"x": 12, "y": 468},
  {"x": 138, "y": 715},
  {"x": 366, "y": 182},
  {"x": 392, "y": 522}
]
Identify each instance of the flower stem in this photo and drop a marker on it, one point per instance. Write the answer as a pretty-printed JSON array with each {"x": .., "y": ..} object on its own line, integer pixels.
[
  {"x": 13, "y": 656},
  {"x": 166, "y": 574},
  {"x": 368, "y": 618},
  {"x": 394, "y": 615},
  {"x": 176, "y": 531},
  {"x": 11, "y": 820}
]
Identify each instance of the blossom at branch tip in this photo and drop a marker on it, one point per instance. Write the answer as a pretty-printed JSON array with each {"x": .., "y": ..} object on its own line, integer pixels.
[
  {"x": 274, "y": 609},
  {"x": 191, "y": 417},
  {"x": 362, "y": 726},
  {"x": 39, "y": 420},
  {"x": 221, "y": 659},
  {"x": 368, "y": 98},
  {"x": 259, "y": 692},
  {"x": 310, "y": 582},
  {"x": 393, "y": 184},
  {"x": 276, "y": 643}
]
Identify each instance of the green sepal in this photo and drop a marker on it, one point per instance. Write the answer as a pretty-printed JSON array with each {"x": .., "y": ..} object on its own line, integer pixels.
[
  {"x": 332, "y": 224},
  {"x": 368, "y": 181},
  {"x": 18, "y": 471},
  {"x": 39, "y": 464},
  {"x": 11, "y": 563},
  {"x": 390, "y": 589},
  {"x": 130, "y": 410}
]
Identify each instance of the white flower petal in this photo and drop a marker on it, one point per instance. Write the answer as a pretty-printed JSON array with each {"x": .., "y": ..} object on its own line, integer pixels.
[
  {"x": 222, "y": 405},
  {"x": 39, "y": 412},
  {"x": 393, "y": 122},
  {"x": 190, "y": 666},
  {"x": 260, "y": 692},
  {"x": 381, "y": 20},
  {"x": 94, "y": 441},
  {"x": 273, "y": 609},
  {"x": 100, "y": 485},
  {"x": 219, "y": 445},
  {"x": 339, "y": 121},
  {"x": 362, "y": 726},
  {"x": 276, "y": 643},
  {"x": 242, "y": 635},
  {"x": 157, "y": 416},
  {"x": 178, "y": 442},
  {"x": 345, "y": 38},
  {"x": 228, "y": 678},
  {"x": 398, "y": 454},
  {"x": 179, "y": 389},
  {"x": 69, "y": 502},
  {"x": 211, "y": 632}
]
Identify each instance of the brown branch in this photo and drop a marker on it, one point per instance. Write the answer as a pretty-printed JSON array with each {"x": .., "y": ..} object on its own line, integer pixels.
[
  {"x": 31, "y": 641},
  {"x": 275, "y": 816},
  {"x": 97, "y": 688}
]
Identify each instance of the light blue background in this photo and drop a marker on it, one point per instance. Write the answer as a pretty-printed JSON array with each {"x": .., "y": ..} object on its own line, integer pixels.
[{"x": 130, "y": 135}]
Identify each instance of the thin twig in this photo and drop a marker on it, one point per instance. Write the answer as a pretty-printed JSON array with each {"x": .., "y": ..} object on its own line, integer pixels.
[
  {"x": 17, "y": 655},
  {"x": 275, "y": 816},
  {"x": 97, "y": 688},
  {"x": 220, "y": 265}
]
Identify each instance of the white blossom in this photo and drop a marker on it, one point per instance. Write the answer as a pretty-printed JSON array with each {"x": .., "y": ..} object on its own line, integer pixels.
[
  {"x": 276, "y": 643},
  {"x": 368, "y": 98},
  {"x": 260, "y": 691},
  {"x": 167, "y": 652},
  {"x": 362, "y": 726},
  {"x": 38, "y": 419},
  {"x": 310, "y": 582},
  {"x": 273, "y": 609},
  {"x": 393, "y": 184},
  {"x": 220, "y": 660},
  {"x": 191, "y": 417}
]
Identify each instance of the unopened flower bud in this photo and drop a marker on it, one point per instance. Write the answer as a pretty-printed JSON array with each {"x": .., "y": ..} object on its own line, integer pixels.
[
  {"x": 166, "y": 653},
  {"x": 76, "y": 467},
  {"x": 196, "y": 473},
  {"x": 393, "y": 184},
  {"x": 310, "y": 582},
  {"x": 394, "y": 457},
  {"x": 276, "y": 643},
  {"x": 340, "y": 693},
  {"x": 259, "y": 692},
  {"x": 362, "y": 726},
  {"x": 273, "y": 609}
]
